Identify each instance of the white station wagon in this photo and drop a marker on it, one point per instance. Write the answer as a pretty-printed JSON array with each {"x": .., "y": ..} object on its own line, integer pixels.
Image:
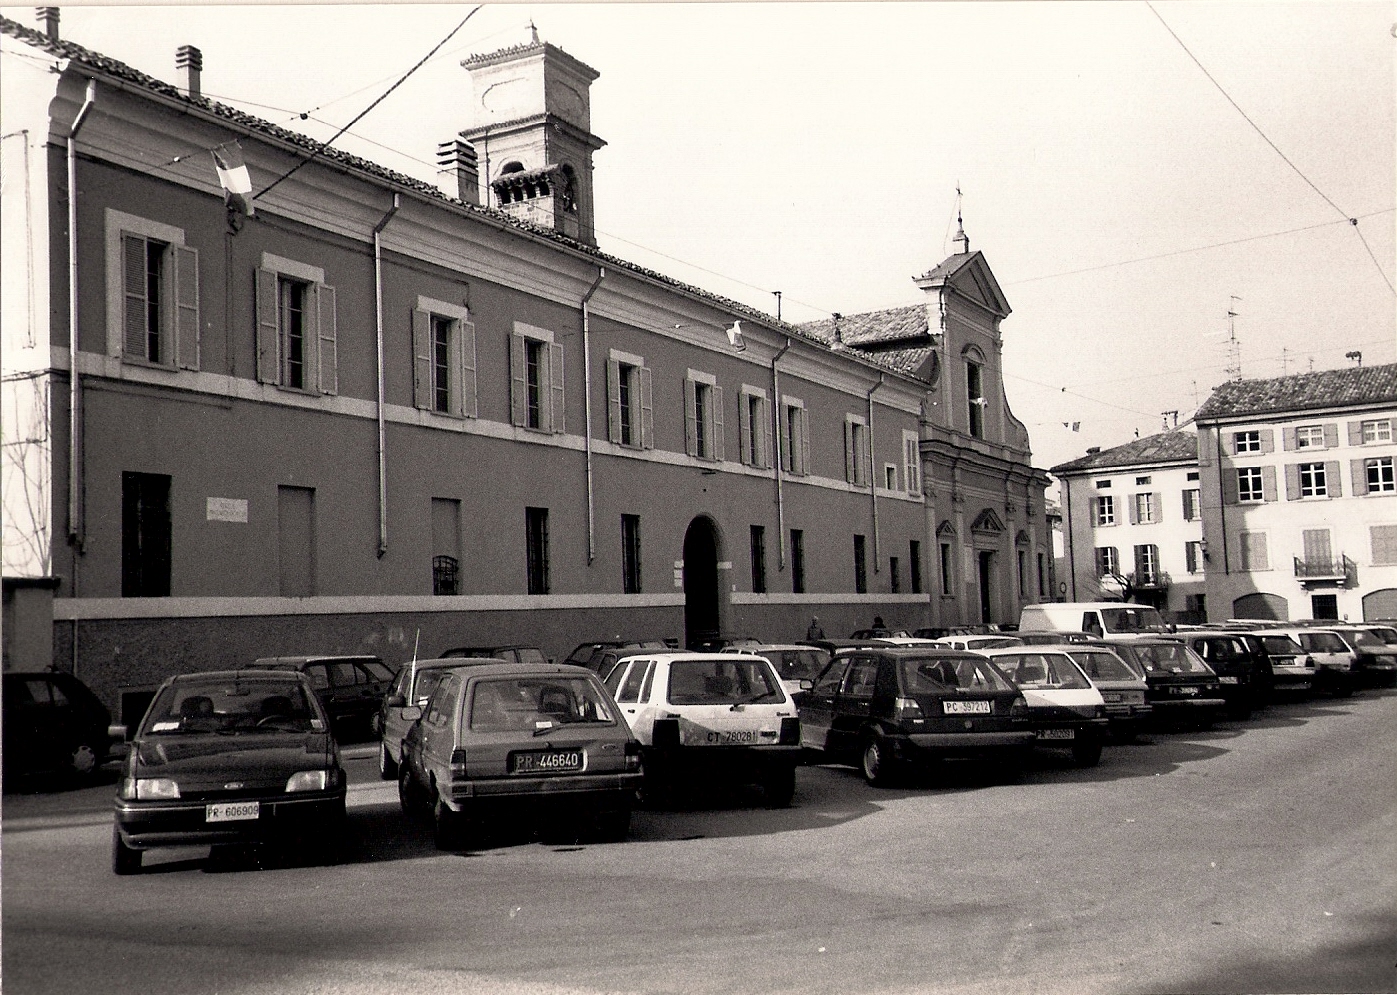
[{"x": 723, "y": 712}]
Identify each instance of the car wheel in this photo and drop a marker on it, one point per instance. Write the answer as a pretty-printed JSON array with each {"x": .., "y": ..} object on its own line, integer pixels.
[
  {"x": 448, "y": 830},
  {"x": 125, "y": 859},
  {"x": 779, "y": 785},
  {"x": 387, "y": 766},
  {"x": 877, "y": 765},
  {"x": 1086, "y": 752},
  {"x": 613, "y": 826},
  {"x": 83, "y": 760},
  {"x": 407, "y": 793}
]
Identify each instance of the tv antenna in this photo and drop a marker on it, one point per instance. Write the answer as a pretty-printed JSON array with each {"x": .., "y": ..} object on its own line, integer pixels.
[{"x": 1234, "y": 347}]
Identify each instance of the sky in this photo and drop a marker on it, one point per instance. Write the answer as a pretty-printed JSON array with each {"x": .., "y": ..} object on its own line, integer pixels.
[{"x": 1131, "y": 171}]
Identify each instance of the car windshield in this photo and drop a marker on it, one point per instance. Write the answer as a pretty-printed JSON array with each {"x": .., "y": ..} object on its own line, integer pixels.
[
  {"x": 1170, "y": 658},
  {"x": 1042, "y": 670},
  {"x": 1277, "y": 645},
  {"x": 1364, "y": 639},
  {"x": 535, "y": 704},
  {"x": 936, "y": 675},
  {"x": 796, "y": 665},
  {"x": 1103, "y": 665},
  {"x": 1388, "y": 636},
  {"x": 231, "y": 705},
  {"x": 722, "y": 682},
  {"x": 380, "y": 670},
  {"x": 1222, "y": 649},
  {"x": 1132, "y": 619},
  {"x": 1322, "y": 642},
  {"x": 530, "y": 654}
]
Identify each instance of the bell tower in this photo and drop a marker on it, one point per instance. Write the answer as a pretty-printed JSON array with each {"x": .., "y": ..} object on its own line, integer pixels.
[{"x": 531, "y": 125}]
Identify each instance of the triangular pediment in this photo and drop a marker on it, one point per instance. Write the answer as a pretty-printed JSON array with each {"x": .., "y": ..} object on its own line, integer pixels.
[
  {"x": 975, "y": 282},
  {"x": 987, "y": 521}
]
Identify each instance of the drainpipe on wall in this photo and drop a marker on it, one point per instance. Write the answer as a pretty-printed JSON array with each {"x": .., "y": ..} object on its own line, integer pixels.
[
  {"x": 587, "y": 410},
  {"x": 1067, "y": 536},
  {"x": 776, "y": 438},
  {"x": 382, "y": 425},
  {"x": 1222, "y": 506},
  {"x": 872, "y": 475},
  {"x": 75, "y": 517}
]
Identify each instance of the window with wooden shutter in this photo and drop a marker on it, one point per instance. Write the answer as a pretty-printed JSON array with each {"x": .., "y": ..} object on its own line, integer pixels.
[
  {"x": 556, "y": 423},
  {"x": 1384, "y": 542},
  {"x": 629, "y": 409},
  {"x": 297, "y": 326},
  {"x": 186, "y": 273},
  {"x": 691, "y": 438},
  {"x": 465, "y": 341},
  {"x": 1333, "y": 481},
  {"x": 1355, "y": 433},
  {"x": 912, "y": 462},
  {"x": 152, "y": 293},
  {"x": 615, "y": 403},
  {"x": 647, "y": 409},
  {"x": 745, "y": 443},
  {"x": 1289, "y": 440},
  {"x": 1331, "y": 435},
  {"x": 328, "y": 330},
  {"x": 1268, "y": 483},
  {"x": 422, "y": 360},
  {"x": 1358, "y": 476},
  {"x": 268, "y": 328},
  {"x": 718, "y": 450},
  {"x": 1156, "y": 507},
  {"x": 518, "y": 382},
  {"x": 1255, "y": 555},
  {"x": 1292, "y": 481},
  {"x": 1267, "y": 438}
]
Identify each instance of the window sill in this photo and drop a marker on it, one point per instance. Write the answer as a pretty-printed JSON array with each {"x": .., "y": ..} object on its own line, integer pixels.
[{"x": 148, "y": 365}]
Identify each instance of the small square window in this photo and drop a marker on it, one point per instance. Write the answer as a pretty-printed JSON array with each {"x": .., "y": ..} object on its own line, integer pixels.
[
  {"x": 1246, "y": 442},
  {"x": 1249, "y": 485},
  {"x": 1102, "y": 485},
  {"x": 1377, "y": 431},
  {"x": 1312, "y": 480},
  {"x": 1105, "y": 510},
  {"x": 1309, "y": 437},
  {"x": 1380, "y": 475},
  {"x": 1142, "y": 481}
]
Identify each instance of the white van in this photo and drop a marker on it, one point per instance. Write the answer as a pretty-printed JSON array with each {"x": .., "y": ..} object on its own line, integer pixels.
[{"x": 1099, "y": 618}]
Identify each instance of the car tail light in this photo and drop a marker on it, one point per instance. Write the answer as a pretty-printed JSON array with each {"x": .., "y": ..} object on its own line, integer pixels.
[
  {"x": 1308, "y": 661},
  {"x": 665, "y": 733},
  {"x": 790, "y": 732},
  {"x": 632, "y": 754},
  {"x": 153, "y": 788},
  {"x": 127, "y": 790},
  {"x": 906, "y": 709},
  {"x": 458, "y": 763},
  {"x": 1019, "y": 707}
]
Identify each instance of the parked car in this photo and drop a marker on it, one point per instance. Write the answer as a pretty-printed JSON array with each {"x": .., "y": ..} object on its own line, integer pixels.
[
  {"x": 1334, "y": 658},
  {"x": 723, "y": 713},
  {"x": 350, "y": 688},
  {"x": 885, "y": 709},
  {"x": 1054, "y": 638},
  {"x": 878, "y": 633},
  {"x": 1375, "y": 653},
  {"x": 717, "y": 644},
  {"x": 980, "y": 642},
  {"x": 797, "y": 665},
  {"x": 1100, "y": 618},
  {"x": 509, "y": 653},
  {"x": 1292, "y": 669},
  {"x": 544, "y": 741},
  {"x": 1065, "y": 710},
  {"x": 601, "y": 655},
  {"x": 1182, "y": 688},
  {"x": 413, "y": 686},
  {"x": 54, "y": 724},
  {"x": 1244, "y": 674},
  {"x": 238, "y": 756},
  {"x": 1122, "y": 687}
]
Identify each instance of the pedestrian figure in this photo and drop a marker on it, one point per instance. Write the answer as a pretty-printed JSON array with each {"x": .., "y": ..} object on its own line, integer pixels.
[
  {"x": 814, "y": 632},
  {"x": 878, "y": 622}
]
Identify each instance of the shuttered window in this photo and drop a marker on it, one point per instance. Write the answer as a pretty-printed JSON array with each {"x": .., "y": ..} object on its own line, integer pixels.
[
  {"x": 443, "y": 346},
  {"x": 1384, "y": 540},
  {"x": 754, "y": 427},
  {"x": 160, "y": 302},
  {"x": 858, "y": 459},
  {"x": 1255, "y": 555},
  {"x": 630, "y": 415},
  {"x": 795, "y": 437},
  {"x": 297, "y": 331},
  {"x": 703, "y": 417},
  {"x": 536, "y": 381},
  {"x": 912, "y": 462}
]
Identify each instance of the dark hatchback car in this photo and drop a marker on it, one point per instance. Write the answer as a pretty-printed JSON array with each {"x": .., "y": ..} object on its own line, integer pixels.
[
  {"x": 229, "y": 757},
  {"x": 601, "y": 655},
  {"x": 351, "y": 688},
  {"x": 889, "y": 708},
  {"x": 509, "y": 653},
  {"x": 54, "y": 724},
  {"x": 1182, "y": 689},
  {"x": 1244, "y": 672}
]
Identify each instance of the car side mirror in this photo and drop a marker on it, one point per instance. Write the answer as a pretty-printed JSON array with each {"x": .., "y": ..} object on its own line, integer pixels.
[
  {"x": 807, "y": 685},
  {"x": 118, "y": 732},
  {"x": 396, "y": 701},
  {"x": 412, "y": 713}
]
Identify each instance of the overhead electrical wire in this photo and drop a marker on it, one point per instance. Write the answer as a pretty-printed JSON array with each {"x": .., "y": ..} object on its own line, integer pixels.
[{"x": 1276, "y": 148}]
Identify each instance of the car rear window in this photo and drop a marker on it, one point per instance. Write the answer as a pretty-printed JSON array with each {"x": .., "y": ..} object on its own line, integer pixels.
[
  {"x": 1281, "y": 645},
  {"x": 427, "y": 681},
  {"x": 1103, "y": 665},
  {"x": 380, "y": 670},
  {"x": 935, "y": 675},
  {"x": 516, "y": 704},
  {"x": 993, "y": 643},
  {"x": 232, "y": 706},
  {"x": 1365, "y": 639},
  {"x": 1322, "y": 642},
  {"x": 796, "y": 665},
  {"x": 1042, "y": 670},
  {"x": 722, "y": 682},
  {"x": 1172, "y": 658},
  {"x": 1221, "y": 649}
]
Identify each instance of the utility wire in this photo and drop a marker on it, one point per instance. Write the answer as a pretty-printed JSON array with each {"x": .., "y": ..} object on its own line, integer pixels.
[
  {"x": 1276, "y": 148},
  {"x": 361, "y": 114}
]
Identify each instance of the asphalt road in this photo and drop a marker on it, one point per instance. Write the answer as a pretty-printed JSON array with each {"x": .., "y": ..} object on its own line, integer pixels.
[{"x": 1258, "y": 857}]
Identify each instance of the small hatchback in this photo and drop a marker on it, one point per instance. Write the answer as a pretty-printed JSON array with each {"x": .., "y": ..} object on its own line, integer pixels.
[
  {"x": 351, "y": 688},
  {"x": 1243, "y": 673},
  {"x": 53, "y": 724},
  {"x": 541, "y": 741},
  {"x": 242, "y": 756},
  {"x": 1182, "y": 687},
  {"x": 797, "y": 665},
  {"x": 1065, "y": 709},
  {"x": 1122, "y": 688},
  {"x": 413, "y": 686},
  {"x": 717, "y": 713},
  {"x": 888, "y": 709}
]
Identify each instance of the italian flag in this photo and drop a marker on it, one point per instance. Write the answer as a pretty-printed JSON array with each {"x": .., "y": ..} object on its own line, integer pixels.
[{"x": 234, "y": 177}]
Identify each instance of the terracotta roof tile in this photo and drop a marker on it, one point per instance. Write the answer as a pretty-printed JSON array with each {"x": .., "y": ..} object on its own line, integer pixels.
[
  {"x": 1167, "y": 447},
  {"x": 1303, "y": 392},
  {"x": 891, "y": 325}
]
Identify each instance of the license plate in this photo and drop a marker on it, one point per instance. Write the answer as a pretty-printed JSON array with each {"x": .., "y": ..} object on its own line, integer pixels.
[
  {"x": 729, "y": 737},
  {"x": 547, "y": 762},
  {"x": 232, "y": 811},
  {"x": 1184, "y": 691},
  {"x": 965, "y": 708},
  {"x": 1057, "y": 733},
  {"x": 1227, "y": 680},
  {"x": 1112, "y": 696}
]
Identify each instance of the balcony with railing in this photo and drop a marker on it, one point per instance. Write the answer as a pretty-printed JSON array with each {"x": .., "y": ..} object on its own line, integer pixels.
[{"x": 1326, "y": 570}]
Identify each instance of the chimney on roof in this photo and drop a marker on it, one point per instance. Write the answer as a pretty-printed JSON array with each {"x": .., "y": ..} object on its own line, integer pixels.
[
  {"x": 190, "y": 63},
  {"x": 48, "y": 17},
  {"x": 1093, "y": 450},
  {"x": 838, "y": 335},
  {"x": 458, "y": 172}
]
